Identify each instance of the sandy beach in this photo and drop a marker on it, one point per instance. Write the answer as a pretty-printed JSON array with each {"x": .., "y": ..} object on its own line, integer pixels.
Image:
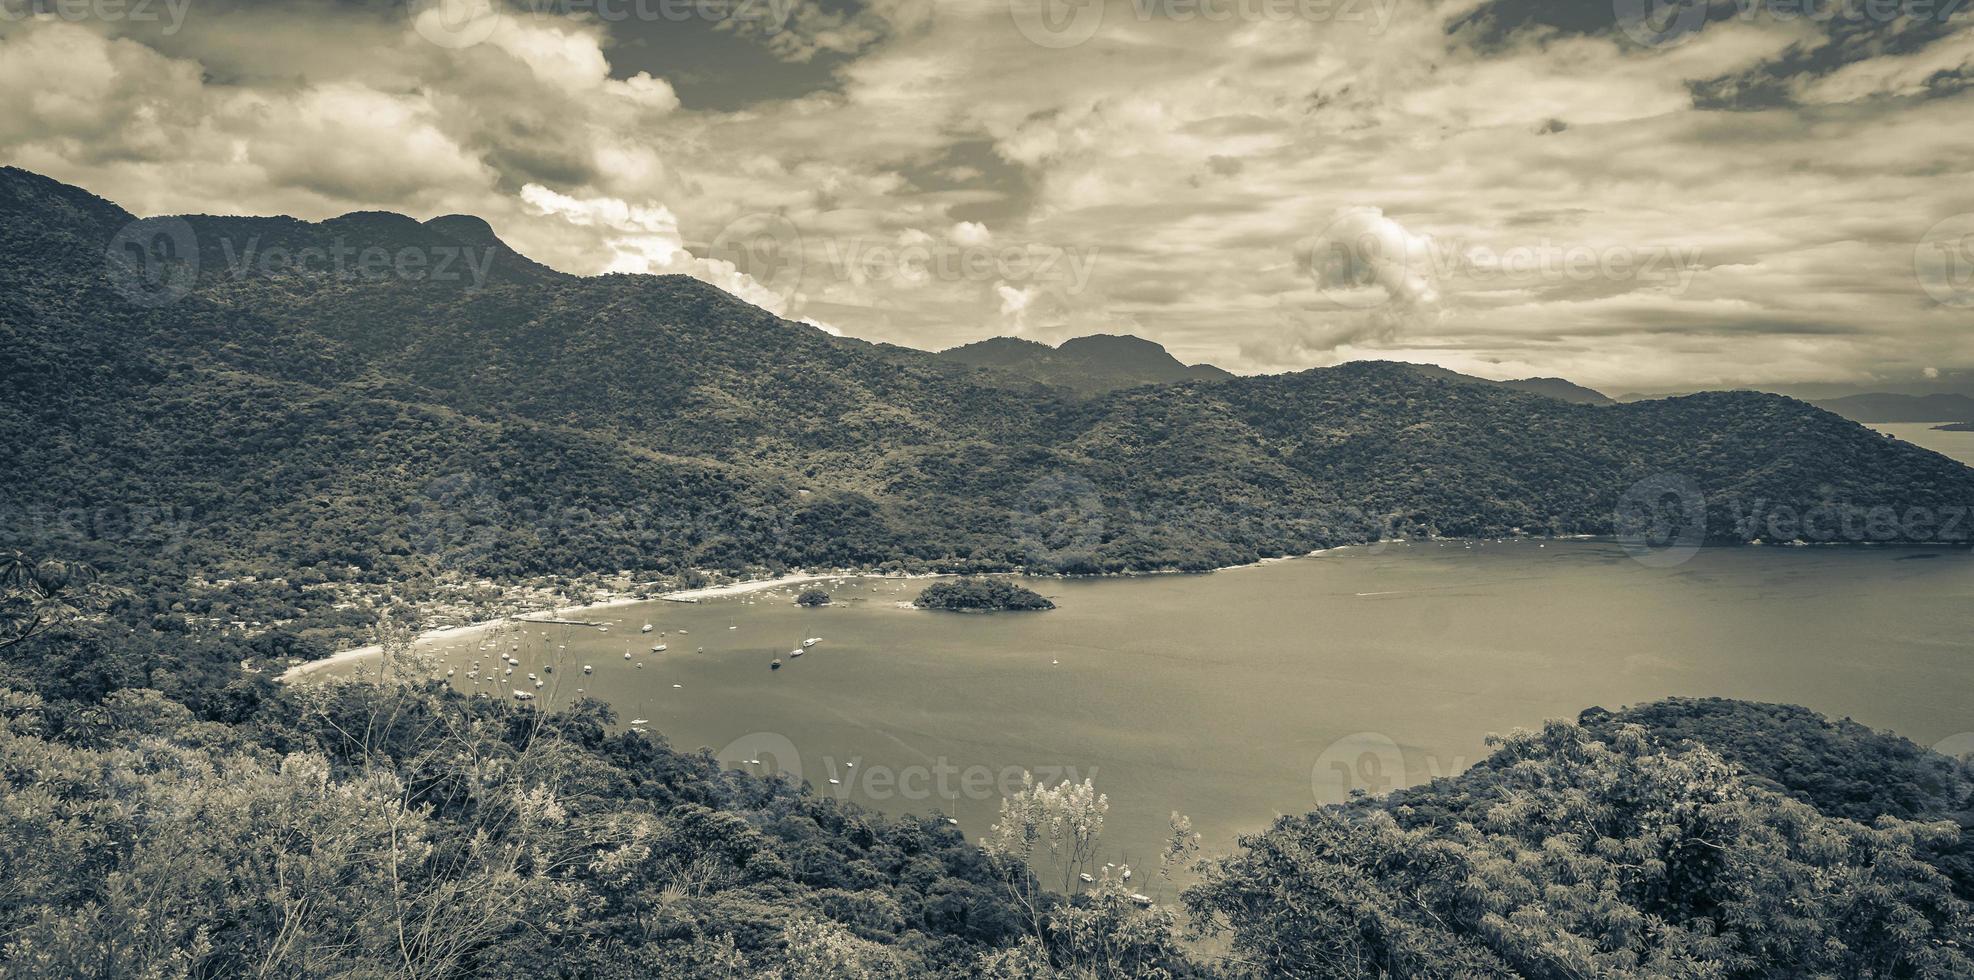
[{"x": 567, "y": 612}]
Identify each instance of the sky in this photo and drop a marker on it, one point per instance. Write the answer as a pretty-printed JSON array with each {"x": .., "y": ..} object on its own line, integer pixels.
[{"x": 1639, "y": 195}]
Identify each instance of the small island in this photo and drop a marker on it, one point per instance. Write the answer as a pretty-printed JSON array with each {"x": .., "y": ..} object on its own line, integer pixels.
[
  {"x": 1955, "y": 427},
  {"x": 980, "y": 595},
  {"x": 812, "y": 597}
]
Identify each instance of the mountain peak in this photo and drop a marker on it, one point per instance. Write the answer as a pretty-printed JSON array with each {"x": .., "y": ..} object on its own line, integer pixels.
[
  {"x": 1088, "y": 365},
  {"x": 465, "y": 229}
]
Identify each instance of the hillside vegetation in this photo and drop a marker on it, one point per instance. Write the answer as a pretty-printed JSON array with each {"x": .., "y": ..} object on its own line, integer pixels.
[
  {"x": 174, "y": 815},
  {"x": 314, "y": 417}
]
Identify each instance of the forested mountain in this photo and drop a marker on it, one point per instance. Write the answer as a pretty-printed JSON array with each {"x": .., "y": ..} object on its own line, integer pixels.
[
  {"x": 1682, "y": 838},
  {"x": 173, "y": 824},
  {"x": 288, "y": 404},
  {"x": 1562, "y": 389},
  {"x": 167, "y": 810},
  {"x": 1086, "y": 365}
]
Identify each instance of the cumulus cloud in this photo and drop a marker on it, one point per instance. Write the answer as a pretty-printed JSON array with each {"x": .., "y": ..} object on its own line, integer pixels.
[
  {"x": 1363, "y": 259},
  {"x": 644, "y": 238},
  {"x": 1189, "y": 169}
]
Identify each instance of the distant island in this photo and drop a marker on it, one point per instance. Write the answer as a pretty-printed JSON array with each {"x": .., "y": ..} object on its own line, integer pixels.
[
  {"x": 812, "y": 597},
  {"x": 1955, "y": 427},
  {"x": 980, "y": 595}
]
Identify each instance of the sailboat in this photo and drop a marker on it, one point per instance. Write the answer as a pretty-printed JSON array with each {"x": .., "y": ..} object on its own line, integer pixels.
[{"x": 647, "y": 628}]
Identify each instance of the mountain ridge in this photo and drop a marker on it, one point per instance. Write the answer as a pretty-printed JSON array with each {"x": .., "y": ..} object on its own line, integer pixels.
[
  {"x": 1087, "y": 365},
  {"x": 531, "y": 422}
]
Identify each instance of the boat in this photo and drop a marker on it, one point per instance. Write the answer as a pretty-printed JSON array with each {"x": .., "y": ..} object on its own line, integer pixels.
[
  {"x": 812, "y": 641},
  {"x": 1087, "y": 879},
  {"x": 587, "y": 669},
  {"x": 449, "y": 671},
  {"x": 627, "y": 655},
  {"x": 640, "y": 721},
  {"x": 538, "y": 685},
  {"x": 532, "y": 677},
  {"x": 524, "y": 695},
  {"x": 795, "y": 652},
  {"x": 1142, "y": 899},
  {"x": 660, "y": 648},
  {"x": 702, "y": 649},
  {"x": 647, "y": 628},
  {"x": 776, "y": 665},
  {"x": 684, "y": 632},
  {"x": 639, "y": 665}
]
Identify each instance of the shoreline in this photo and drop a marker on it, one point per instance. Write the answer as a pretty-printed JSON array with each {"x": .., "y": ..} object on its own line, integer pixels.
[
  {"x": 342, "y": 657},
  {"x": 353, "y": 654}
]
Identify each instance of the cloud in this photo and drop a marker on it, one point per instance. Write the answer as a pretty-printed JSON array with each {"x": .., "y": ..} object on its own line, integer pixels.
[
  {"x": 1188, "y": 167},
  {"x": 1361, "y": 251},
  {"x": 644, "y": 238}
]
